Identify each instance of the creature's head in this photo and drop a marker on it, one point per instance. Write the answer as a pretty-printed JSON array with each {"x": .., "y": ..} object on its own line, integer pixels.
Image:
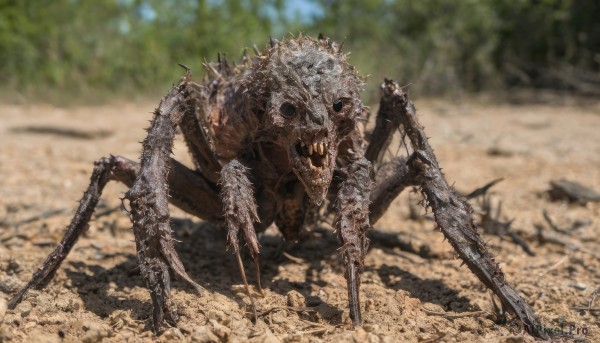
[{"x": 310, "y": 96}]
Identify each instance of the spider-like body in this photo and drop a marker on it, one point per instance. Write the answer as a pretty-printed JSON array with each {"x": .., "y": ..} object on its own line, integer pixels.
[{"x": 279, "y": 139}]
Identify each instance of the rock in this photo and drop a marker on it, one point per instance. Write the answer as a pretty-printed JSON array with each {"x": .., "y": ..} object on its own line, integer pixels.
[
  {"x": 39, "y": 336},
  {"x": 278, "y": 317},
  {"x": 202, "y": 334},
  {"x": 3, "y": 308},
  {"x": 94, "y": 332},
  {"x": 218, "y": 316},
  {"x": 10, "y": 285},
  {"x": 222, "y": 331},
  {"x": 25, "y": 308},
  {"x": 295, "y": 299},
  {"x": 172, "y": 335},
  {"x": 372, "y": 328},
  {"x": 5, "y": 334}
]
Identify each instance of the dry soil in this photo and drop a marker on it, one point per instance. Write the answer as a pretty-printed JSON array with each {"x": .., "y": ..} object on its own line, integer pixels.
[{"x": 46, "y": 157}]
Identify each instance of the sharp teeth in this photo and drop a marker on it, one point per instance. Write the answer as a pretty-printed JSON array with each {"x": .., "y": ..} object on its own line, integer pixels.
[
  {"x": 321, "y": 149},
  {"x": 309, "y": 162},
  {"x": 325, "y": 161},
  {"x": 310, "y": 149},
  {"x": 316, "y": 147}
]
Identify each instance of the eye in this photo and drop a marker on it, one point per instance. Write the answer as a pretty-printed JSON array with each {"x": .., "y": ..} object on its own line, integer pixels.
[
  {"x": 287, "y": 110},
  {"x": 338, "y": 105}
]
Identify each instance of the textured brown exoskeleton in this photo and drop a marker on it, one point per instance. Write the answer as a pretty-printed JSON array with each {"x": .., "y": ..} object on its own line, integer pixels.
[{"x": 279, "y": 139}]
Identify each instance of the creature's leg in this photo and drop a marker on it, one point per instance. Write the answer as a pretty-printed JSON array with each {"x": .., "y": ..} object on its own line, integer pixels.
[
  {"x": 149, "y": 183},
  {"x": 105, "y": 169},
  {"x": 148, "y": 199},
  {"x": 188, "y": 190},
  {"x": 352, "y": 224},
  {"x": 239, "y": 208},
  {"x": 195, "y": 133},
  {"x": 387, "y": 122},
  {"x": 452, "y": 214},
  {"x": 391, "y": 179}
]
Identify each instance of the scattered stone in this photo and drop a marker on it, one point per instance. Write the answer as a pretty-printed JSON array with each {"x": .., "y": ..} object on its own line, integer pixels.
[
  {"x": 202, "y": 334},
  {"x": 52, "y": 319},
  {"x": 372, "y": 328},
  {"x": 10, "y": 285},
  {"x": 278, "y": 317},
  {"x": 25, "y": 308},
  {"x": 222, "y": 331},
  {"x": 94, "y": 332},
  {"x": 120, "y": 319},
  {"x": 218, "y": 316},
  {"x": 295, "y": 299},
  {"x": 172, "y": 335},
  {"x": 66, "y": 304},
  {"x": 5, "y": 334},
  {"x": 3, "y": 308}
]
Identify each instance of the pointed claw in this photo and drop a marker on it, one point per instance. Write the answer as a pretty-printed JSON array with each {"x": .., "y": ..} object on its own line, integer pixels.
[
  {"x": 157, "y": 313},
  {"x": 243, "y": 273},
  {"x": 258, "y": 284},
  {"x": 353, "y": 298},
  {"x": 17, "y": 298}
]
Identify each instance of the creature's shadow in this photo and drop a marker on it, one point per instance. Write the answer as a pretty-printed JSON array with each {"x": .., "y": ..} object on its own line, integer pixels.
[{"x": 201, "y": 247}]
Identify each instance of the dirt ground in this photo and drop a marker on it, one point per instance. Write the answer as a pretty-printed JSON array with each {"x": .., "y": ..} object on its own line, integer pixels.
[{"x": 46, "y": 157}]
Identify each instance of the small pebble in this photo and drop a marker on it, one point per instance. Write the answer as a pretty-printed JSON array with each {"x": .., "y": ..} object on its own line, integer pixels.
[
  {"x": 25, "y": 308},
  {"x": 3, "y": 308},
  {"x": 218, "y": 316},
  {"x": 295, "y": 299},
  {"x": 94, "y": 332},
  {"x": 203, "y": 334},
  {"x": 222, "y": 331},
  {"x": 173, "y": 335}
]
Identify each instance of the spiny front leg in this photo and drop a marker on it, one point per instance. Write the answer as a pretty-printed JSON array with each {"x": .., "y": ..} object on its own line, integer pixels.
[
  {"x": 351, "y": 224},
  {"x": 148, "y": 199},
  {"x": 452, "y": 214},
  {"x": 239, "y": 209},
  {"x": 105, "y": 170}
]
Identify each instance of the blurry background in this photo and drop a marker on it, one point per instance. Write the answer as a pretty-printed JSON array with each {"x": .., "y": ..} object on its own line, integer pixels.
[{"x": 86, "y": 51}]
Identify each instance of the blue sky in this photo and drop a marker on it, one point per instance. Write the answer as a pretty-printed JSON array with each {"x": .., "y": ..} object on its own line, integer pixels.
[{"x": 302, "y": 9}]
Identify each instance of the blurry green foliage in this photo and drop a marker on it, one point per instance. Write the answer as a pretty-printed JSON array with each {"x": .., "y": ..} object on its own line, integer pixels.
[
  {"x": 121, "y": 46},
  {"x": 438, "y": 46}
]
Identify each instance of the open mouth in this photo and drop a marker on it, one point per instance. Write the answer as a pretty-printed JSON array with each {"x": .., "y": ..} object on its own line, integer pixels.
[{"x": 313, "y": 155}]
